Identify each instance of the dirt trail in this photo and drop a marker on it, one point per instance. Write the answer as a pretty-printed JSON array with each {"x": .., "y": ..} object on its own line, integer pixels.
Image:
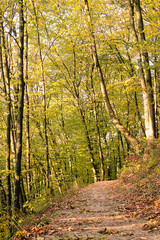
[{"x": 93, "y": 213}]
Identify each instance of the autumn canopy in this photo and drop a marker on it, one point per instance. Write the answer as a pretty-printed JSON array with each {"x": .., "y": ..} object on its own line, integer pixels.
[{"x": 79, "y": 93}]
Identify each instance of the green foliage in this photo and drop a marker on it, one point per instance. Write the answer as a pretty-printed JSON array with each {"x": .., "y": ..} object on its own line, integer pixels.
[{"x": 67, "y": 61}]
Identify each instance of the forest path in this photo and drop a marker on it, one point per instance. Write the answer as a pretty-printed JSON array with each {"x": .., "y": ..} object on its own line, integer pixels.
[{"x": 94, "y": 212}]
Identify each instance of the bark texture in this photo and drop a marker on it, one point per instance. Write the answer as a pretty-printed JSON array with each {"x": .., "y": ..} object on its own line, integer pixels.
[{"x": 20, "y": 108}]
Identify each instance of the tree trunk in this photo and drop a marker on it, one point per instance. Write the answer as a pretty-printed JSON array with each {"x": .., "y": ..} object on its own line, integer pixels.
[
  {"x": 108, "y": 106},
  {"x": 144, "y": 68},
  {"x": 3, "y": 198},
  {"x": 139, "y": 115},
  {"x": 22, "y": 196},
  {"x": 156, "y": 97},
  {"x": 92, "y": 158},
  {"x": 97, "y": 128},
  {"x": 132, "y": 72},
  {"x": 20, "y": 108},
  {"x": 27, "y": 118},
  {"x": 76, "y": 95},
  {"x": 44, "y": 99},
  {"x": 6, "y": 83}
]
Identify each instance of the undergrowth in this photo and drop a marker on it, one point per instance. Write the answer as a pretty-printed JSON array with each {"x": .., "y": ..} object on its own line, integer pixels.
[
  {"x": 140, "y": 183},
  {"x": 38, "y": 213},
  {"x": 139, "y": 189}
]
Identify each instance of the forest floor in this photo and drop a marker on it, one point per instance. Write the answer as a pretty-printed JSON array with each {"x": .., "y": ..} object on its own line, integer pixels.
[{"x": 98, "y": 211}]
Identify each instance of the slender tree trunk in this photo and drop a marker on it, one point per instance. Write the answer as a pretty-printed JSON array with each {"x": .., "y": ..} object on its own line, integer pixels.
[
  {"x": 6, "y": 83},
  {"x": 122, "y": 144},
  {"x": 144, "y": 68},
  {"x": 8, "y": 155},
  {"x": 132, "y": 73},
  {"x": 108, "y": 106},
  {"x": 20, "y": 108},
  {"x": 56, "y": 176},
  {"x": 28, "y": 143},
  {"x": 97, "y": 127},
  {"x": 27, "y": 117},
  {"x": 22, "y": 196},
  {"x": 94, "y": 167},
  {"x": 156, "y": 97},
  {"x": 3, "y": 198},
  {"x": 139, "y": 115},
  {"x": 76, "y": 95},
  {"x": 119, "y": 151},
  {"x": 44, "y": 99}
]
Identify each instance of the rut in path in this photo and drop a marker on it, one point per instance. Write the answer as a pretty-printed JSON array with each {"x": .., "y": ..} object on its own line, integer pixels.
[{"x": 93, "y": 213}]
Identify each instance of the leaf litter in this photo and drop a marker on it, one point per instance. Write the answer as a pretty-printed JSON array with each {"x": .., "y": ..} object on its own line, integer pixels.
[{"x": 99, "y": 211}]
